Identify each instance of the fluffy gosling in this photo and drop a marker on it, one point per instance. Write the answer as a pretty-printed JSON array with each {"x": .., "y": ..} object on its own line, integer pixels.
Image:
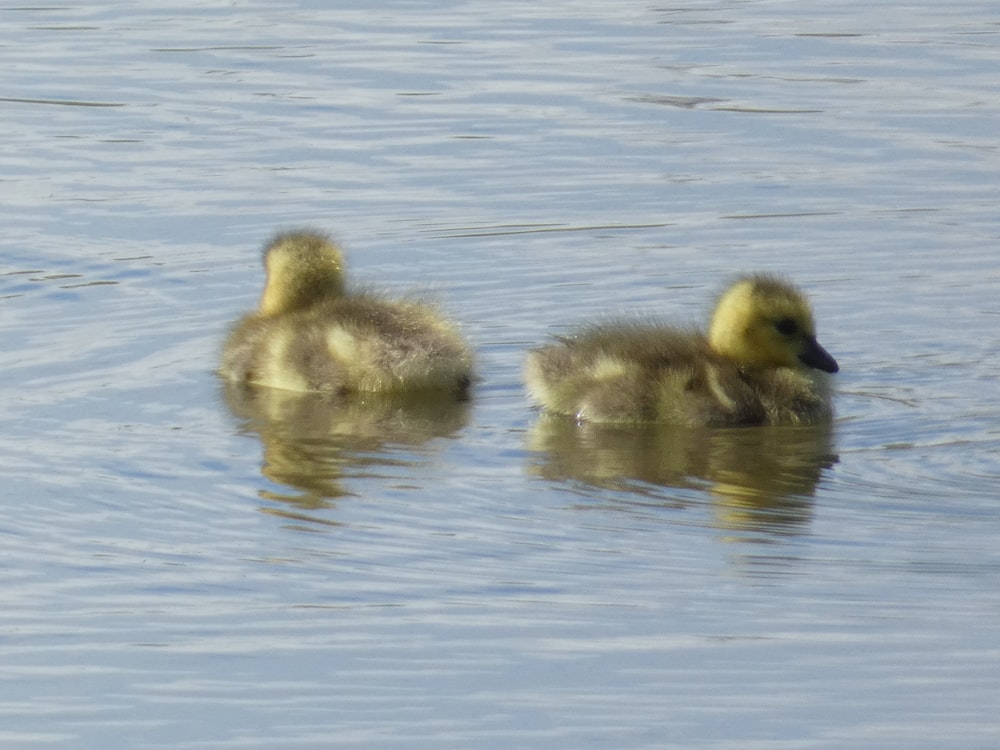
[
  {"x": 760, "y": 364},
  {"x": 311, "y": 334}
]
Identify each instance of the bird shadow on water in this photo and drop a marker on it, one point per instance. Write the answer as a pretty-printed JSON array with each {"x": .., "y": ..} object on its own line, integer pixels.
[
  {"x": 314, "y": 444},
  {"x": 758, "y": 480}
]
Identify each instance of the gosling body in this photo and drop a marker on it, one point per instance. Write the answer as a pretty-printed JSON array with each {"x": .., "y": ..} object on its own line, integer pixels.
[
  {"x": 759, "y": 364},
  {"x": 311, "y": 334}
]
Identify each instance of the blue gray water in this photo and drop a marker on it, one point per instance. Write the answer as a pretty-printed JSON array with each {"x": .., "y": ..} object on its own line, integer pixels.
[{"x": 184, "y": 569}]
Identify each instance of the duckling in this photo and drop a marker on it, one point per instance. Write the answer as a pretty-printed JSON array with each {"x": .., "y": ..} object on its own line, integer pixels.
[
  {"x": 757, "y": 366},
  {"x": 310, "y": 334}
]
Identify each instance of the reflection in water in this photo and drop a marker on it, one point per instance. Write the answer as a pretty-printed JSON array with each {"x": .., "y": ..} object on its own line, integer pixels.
[
  {"x": 311, "y": 441},
  {"x": 760, "y": 478}
]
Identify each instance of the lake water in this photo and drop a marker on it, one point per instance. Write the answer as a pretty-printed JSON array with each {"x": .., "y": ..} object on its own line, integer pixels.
[{"x": 182, "y": 568}]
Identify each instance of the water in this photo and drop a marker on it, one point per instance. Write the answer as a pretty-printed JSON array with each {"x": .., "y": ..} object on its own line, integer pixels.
[{"x": 183, "y": 568}]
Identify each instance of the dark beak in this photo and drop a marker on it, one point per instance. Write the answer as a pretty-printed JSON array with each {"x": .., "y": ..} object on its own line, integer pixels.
[{"x": 818, "y": 357}]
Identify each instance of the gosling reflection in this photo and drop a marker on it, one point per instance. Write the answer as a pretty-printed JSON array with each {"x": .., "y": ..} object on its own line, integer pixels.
[
  {"x": 760, "y": 478},
  {"x": 312, "y": 442}
]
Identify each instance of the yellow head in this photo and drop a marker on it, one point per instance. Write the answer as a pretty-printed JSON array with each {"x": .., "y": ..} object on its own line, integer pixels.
[
  {"x": 302, "y": 267},
  {"x": 763, "y": 322}
]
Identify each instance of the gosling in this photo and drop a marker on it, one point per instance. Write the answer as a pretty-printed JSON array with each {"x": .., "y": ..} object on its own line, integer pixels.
[
  {"x": 311, "y": 334},
  {"x": 760, "y": 364}
]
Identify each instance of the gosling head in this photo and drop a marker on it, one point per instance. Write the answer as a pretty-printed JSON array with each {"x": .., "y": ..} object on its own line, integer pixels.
[
  {"x": 762, "y": 322},
  {"x": 302, "y": 267}
]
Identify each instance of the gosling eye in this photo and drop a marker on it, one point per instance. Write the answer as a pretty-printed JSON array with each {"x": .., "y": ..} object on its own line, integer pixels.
[{"x": 786, "y": 326}]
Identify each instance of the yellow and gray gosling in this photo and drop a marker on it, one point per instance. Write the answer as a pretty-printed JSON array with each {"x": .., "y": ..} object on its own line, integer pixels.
[
  {"x": 760, "y": 364},
  {"x": 310, "y": 334}
]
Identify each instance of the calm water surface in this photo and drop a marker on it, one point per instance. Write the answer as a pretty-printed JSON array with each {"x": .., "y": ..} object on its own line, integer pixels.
[{"x": 187, "y": 567}]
